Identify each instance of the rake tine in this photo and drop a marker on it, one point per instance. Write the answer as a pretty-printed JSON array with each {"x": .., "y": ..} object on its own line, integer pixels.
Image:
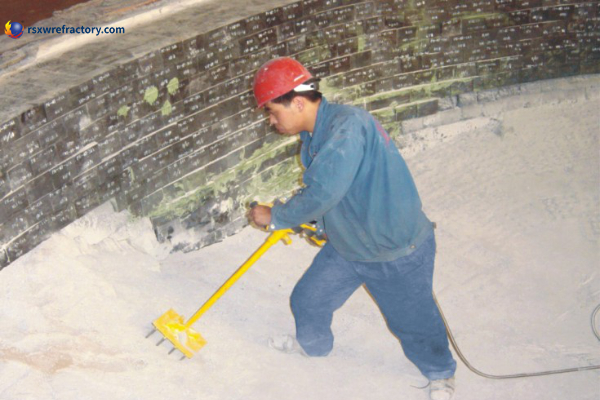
[
  {"x": 172, "y": 350},
  {"x": 160, "y": 341},
  {"x": 151, "y": 333},
  {"x": 182, "y": 358}
]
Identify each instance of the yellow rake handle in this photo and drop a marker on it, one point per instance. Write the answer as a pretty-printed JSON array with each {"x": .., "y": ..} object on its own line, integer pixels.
[{"x": 271, "y": 240}]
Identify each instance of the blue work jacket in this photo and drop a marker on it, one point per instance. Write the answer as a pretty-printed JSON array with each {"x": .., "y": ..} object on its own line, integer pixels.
[{"x": 358, "y": 186}]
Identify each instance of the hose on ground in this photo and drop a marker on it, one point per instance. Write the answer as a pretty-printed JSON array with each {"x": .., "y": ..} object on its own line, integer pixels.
[{"x": 520, "y": 375}]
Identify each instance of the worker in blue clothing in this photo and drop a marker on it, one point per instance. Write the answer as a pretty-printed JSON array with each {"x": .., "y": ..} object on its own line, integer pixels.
[{"x": 360, "y": 191}]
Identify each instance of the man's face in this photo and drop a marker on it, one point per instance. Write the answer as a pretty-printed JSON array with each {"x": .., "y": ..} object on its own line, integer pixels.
[{"x": 287, "y": 119}]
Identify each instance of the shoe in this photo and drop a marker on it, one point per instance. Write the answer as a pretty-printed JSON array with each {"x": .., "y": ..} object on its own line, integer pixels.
[
  {"x": 441, "y": 389},
  {"x": 286, "y": 344}
]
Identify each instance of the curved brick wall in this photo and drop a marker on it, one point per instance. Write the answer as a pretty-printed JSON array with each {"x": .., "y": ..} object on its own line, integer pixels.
[{"x": 173, "y": 135}]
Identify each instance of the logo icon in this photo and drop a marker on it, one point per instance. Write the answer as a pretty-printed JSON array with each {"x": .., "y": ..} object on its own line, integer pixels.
[{"x": 14, "y": 30}]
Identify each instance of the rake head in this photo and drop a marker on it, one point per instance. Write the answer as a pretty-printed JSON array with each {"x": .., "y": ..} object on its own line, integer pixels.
[{"x": 182, "y": 337}]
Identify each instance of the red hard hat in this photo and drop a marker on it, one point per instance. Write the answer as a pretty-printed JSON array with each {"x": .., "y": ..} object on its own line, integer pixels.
[{"x": 277, "y": 77}]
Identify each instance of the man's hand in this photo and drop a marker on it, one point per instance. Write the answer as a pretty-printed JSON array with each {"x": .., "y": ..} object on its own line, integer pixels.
[{"x": 260, "y": 216}]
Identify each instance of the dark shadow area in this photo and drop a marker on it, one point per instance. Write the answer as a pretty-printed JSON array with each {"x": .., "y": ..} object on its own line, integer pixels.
[{"x": 31, "y": 11}]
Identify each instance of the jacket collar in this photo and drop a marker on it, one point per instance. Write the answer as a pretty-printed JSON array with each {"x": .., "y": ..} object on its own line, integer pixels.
[{"x": 321, "y": 116}]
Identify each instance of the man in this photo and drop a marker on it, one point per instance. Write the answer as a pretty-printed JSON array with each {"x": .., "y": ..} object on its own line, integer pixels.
[{"x": 359, "y": 190}]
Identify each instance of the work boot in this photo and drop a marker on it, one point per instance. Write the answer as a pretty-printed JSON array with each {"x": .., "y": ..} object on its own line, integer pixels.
[
  {"x": 441, "y": 389},
  {"x": 286, "y": 344}
]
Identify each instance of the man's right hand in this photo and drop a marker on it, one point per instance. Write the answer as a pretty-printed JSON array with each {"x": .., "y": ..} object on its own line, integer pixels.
[{"x": 260, "y": 216}]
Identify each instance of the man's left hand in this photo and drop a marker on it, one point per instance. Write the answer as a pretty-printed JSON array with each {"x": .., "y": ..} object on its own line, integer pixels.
[{"x": 260, "y": 216}]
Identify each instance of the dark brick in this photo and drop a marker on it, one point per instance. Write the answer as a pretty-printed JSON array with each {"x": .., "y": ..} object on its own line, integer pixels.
[
  {"x": 145, "y": 146},
  {"x": 86, "y": 204},
  {"x": 4, "y": 188},
  {"x": 62, "y": 218},
  {"x": 110, "y": 145},
  {"x": 410, "y": 63},
  {"x": 403, "y": 113},
  {"x": 110, "y": 189},
  {"x": 151, "y": 202},
  {"x": 71, "y": 122},
  {"x": 105, "y": 82},
  {"x": 57, "y": 106},
  {"x": 194, "y": 103},
  {"x": 434, "y": 60},
  {"x": 155, "y": 181},
  {"x": 175, "y": 113},
  {"x": 254, "y": 23},
  {"x": 61, "y": 198},
  {"x": 228, "y": 107},
  {"x": 87, "y": 159},
  {"x": 401, "y": 98},
  {"x": 150, "y": 124},
  {"x": 109, "y": 168},
  {"x": 50, "y": 133},
  {"x": 168, "y": 136},
  {"x": 438, "y": 45},
  {"x": 291, "y": 11},
  {"x": 33, "y": 119},
  {"x": 470, "y": 25},
  {"x": 202, "y": 137},
  {"x": 215, "y": 95},
  {"x": 98, "y": 107},
  {"x": 194, "y": 46},
  {"x": 39, "y": 187},
  {"x": 311, "y": 7},
  {"x": 150, "y": 63},
  {"x": 39, "y": 210},
  {"x": 427, "y": 108},
  {"x": 15, "y": 225},
  {"x": 67, "y": 148},
  {"x": 227, "y": 51},
  {"x": 286, "y": 31},
  {"x": 173, "y": 53},
  {"x": 373, "y": 25},
  {"x": 273, "y": 17},
  {"x": 26, "y": 242},
  {"x": 9, "y": 132},
  {"x": 120, "y": 96},
  {"x": 522, "y": 4},
  {"x": 364, "y": 10},
  {"x": 218, "y": 74},
  {"x": 4, "y": 261},
  {"x": 19, "y": 151},
  {"x": 195, "y": 160},
  {"x": 13, "y": 203},
  {"x": 19, "y": 175},
  {"x": 86, "y": 183},
  {"x": 338, "y": 65},
  {"x": 361, "y": 60},
  {"x": 81, "y": 94},
  {"x": 63, "y": 174},
  {"x": 497, "y": 21}
]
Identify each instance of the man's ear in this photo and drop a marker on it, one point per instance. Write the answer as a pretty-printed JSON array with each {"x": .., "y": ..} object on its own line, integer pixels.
[{"x": 298, "y": 102}]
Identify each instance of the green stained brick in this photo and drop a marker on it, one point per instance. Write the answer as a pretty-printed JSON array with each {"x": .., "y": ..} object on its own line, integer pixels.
[
  {"x": 188, "y": 193},
  {"x": 314, "y": 55},
  {"x": 386, "y": 116},
  {"x": 123, "y": 111},
  {"x": 405, "y": 112},
  {"x": 151, "y": 95},
  {"x": 167, "y": 108},
  {"x": 173, "y": 85}
]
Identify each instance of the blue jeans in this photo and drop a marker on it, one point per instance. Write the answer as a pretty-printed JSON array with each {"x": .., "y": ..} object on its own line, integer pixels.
[{"x": 403, "y": 290}]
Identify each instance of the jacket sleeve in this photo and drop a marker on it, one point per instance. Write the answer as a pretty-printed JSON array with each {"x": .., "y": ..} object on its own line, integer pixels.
[{"x": 326, "y": 180}]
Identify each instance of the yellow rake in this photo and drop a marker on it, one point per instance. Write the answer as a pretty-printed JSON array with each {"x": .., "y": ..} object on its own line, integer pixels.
[{"x": 187, "y": 340}]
